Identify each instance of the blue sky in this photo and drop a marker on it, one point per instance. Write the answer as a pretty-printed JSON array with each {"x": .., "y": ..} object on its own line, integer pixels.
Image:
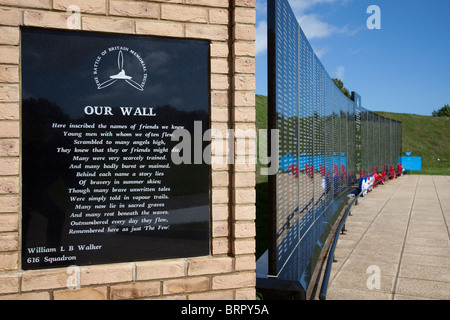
[{"x": 403, "y": 67}]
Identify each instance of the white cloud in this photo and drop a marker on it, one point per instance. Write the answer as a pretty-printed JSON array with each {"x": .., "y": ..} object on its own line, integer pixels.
[
  {"x": 300, "y": 6},
  {"x": 340, "y": 71},
  {"x": 261, "y": 37},
  {"x": 312, "y": 24},
  {"x": 320, "y": 52},
  {"x": 313, "y": 27}
]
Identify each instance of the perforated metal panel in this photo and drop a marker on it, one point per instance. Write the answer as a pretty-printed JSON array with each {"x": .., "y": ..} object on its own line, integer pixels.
[{"x": 326, "y": 141}]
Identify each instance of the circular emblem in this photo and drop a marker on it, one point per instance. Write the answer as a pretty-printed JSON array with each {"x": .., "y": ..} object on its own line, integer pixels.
[{"x": 127, "y": 66}]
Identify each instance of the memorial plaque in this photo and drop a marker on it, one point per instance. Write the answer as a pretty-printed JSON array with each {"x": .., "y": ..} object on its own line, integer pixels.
[{"x": 99, "y": 114}]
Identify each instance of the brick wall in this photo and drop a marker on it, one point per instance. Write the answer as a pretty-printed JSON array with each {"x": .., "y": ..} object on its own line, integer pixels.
[{"x": 228, "y": 273}]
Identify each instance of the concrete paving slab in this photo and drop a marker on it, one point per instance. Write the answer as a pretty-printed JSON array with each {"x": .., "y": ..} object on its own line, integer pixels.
[
  {"x": 423, "y": 288},
  {"x": 427, "y": 250},
  {"x": 364, "y": 282},
  {"x": 413, "y": 258},
  {"x": 417, "y": 271},
  {"x": 361, "y": 266},
  {"x": 417, "y": 240},
  {"x": 352, "y": 294},
  {"x": 403, "y": 229}
]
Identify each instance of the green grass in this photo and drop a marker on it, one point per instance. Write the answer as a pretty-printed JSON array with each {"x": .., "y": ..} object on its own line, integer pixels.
[{"x": 427, "y": 137}]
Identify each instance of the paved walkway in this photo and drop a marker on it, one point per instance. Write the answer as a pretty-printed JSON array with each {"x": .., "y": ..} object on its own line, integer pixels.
[{"x": 397, "y": 244}]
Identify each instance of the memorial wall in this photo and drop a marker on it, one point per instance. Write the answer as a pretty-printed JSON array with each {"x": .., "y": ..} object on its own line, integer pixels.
[
  {"x": 111, "y": 185},
  {"x": 326, "y": 142}
]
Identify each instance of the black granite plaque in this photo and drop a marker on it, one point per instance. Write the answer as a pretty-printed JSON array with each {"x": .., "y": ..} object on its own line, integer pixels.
[{"x": 99, "y": 112}]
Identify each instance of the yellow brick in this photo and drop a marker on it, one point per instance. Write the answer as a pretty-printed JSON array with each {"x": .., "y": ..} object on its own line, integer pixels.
[
  {"x": 244, "y": 83},
  {"x": 98, "y": 293},
  {"x": 9, "y": 129},
  {"x": 244, "y": 48},
  {"x": 219, "y": 66},
  {"x": 211, "y": 3},
  {"x": 239, "y": 280},
  {"x": 219, "y": 179},
  {"x": 245, "y": 196},
  {"x": 245, "y": 163},
  {"x": 159, "y": 28},
  {"x": 9, "y": 17},
  {"x": 219, "y": 82},
  {"x": 9, "y": 36},
  {"x": 43, "y": 4},
  {"x": 220, "y": 246},
  {"x": 219, "y": 229},
  {"x": 219, "y": 49},
  {"x": 219, "y": 99},
  {"x": 244, "y": 179},
  {"x": 9, "y": 111},
  {"x": 173, "y": 297},
  {"x": 244, "y": 212},
  {"x": 9, "y": 222},
  {"x": 209, "y": 32},
  {"x": 245, "y": 15},
  {"x": 219, "y": 114},
  {"x": 245, "y": 3},
  {"x": 245, "y": 130},
  {"x": 44, "y": 279},
  {"x": 244, "y": 114},
  {"x": 183, "y": 13},
  {"x": 106, "y": 274},
  {"x": 213, "y": 295},
  {"x": 9, "y": 93},
  {"x": 9, "y": 242},
  {"x": 137, "y": 290},
  {"x": 209, "y": 265},
  {"x": 244, "y": 246},
  {"x": 9, "y": 185},
  {"x": 27, "y": 296},
  {"x": 9, "y": 74},
  {"x": 160, "y": 269},
  {"x": 9, "y": 261},
  {"x": 91, "y": 6},
  {"x": 9, "y": 55},
  {"x": 219, "y": 162},
  {"x": 245, "y": 148},
  {"x": 244, "y": 32},
  {"x": 107, "y": 25},
  {"x": 46, "y": 19},
  {"x": 245, "y": 263},
  {"x": 9, "y": 283},
  {"x": 9, "y": 203},
  {"x": 220, "y": 212},
  {"x": 219, "y": 196},
  {"x": 185, "y": 285},
  {"x": 246, "y": 294},
  {"x": 9, "y": 166},
  {"x": 244, "y": 230},
  {"x": 134, "y": 9},
  {"x": 218, "y": 16},
  {"x": 244, "y": 99},
  {"x": 9, "y": 148},
  {"x": 244, "y": 65}
]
